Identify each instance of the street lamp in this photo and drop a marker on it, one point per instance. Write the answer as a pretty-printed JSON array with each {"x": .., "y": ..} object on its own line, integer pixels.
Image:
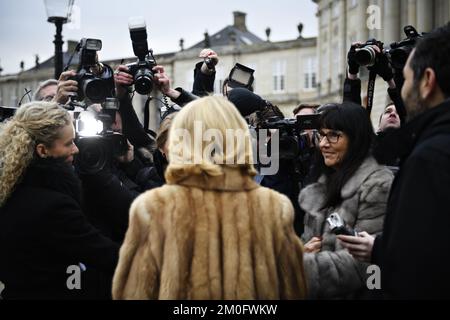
[{"x": 58, "y": 12}]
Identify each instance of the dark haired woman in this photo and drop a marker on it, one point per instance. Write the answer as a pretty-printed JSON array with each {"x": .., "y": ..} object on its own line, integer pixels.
[{"x": 352, "y": 184}]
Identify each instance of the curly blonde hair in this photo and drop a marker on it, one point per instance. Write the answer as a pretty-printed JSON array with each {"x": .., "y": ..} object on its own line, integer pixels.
[{"x": 33, "y": 123}]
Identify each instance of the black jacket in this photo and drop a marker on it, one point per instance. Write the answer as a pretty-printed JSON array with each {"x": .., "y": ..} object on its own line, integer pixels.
[
  {"x": 203, "y": 83},
  {"x": 414, "y": 253},
  {"x": 43, "y": 232}
]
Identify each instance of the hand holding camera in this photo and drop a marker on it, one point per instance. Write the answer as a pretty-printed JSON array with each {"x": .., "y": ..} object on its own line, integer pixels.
[
  {"x": 360, "y": 247},
  {"x": 353, "y": 66},
  {"x": 382, "y": 67},
  {"x": 66, "y": 88},
  {"x": 338, "y": 227},
  {"x": 122, "y": 79},
  {"x": 210, "y": 60},
  {"x": 95, "y": 80},
  {"x": 162, "y": 82}
]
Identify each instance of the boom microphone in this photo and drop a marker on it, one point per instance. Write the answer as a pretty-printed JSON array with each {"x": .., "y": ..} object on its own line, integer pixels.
[{"x": 246, "y": 101}]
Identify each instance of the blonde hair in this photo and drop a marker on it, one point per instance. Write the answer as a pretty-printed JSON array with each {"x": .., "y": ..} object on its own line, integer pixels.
[
  {"x": 163, "y": 131},
  {"x": 210, "y": 158},
  {"x": 33, "y": 123}
]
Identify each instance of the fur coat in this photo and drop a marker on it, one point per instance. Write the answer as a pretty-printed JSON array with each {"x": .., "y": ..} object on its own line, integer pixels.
[
  {"x": 333, "y": 272},
  {"x": 214, "y": 238}
]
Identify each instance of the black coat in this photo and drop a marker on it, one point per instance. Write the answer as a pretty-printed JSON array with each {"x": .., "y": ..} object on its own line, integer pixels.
[
  {"x": 414, "y": 251},
  {"x": 43, "y": 231}
]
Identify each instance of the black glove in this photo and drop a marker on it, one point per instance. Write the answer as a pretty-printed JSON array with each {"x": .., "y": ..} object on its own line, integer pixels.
[
  {"x": 353, "y": 67},
  {"x": 382, "y": 68}
]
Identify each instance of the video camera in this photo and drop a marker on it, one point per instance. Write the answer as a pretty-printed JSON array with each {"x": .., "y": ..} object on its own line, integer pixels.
[
  {"x": 142, "y": 69},
  {"x": 294, "y": 141},
  {"x": 95, "y": 80},
  {"x": 400, "y": 51},
  {"x": 97, "y": 142}
]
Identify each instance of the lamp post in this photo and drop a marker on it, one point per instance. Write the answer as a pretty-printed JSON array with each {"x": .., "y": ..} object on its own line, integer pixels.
[{"x": 58, "y": 12}]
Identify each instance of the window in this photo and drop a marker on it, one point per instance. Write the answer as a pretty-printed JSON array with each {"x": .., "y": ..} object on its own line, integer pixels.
[
  {"x": 324, "y": 61},
  {"x": 336, "y": 10},
  {"x": 325, "y": 16},
  {"x": 279, "y": 76},
  {"x": 310, "y": 73}
]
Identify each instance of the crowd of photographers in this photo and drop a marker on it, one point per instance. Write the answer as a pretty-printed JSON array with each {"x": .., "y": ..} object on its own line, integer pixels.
[{"x": 358, "y": 196}]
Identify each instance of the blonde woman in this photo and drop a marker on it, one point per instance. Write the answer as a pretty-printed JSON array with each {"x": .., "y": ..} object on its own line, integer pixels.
[
  {"x": 44, "y": 236},
  {"x": 211, "y": 232}
]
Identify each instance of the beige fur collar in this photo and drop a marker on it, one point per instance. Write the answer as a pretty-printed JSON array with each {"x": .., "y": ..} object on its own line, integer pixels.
[{"x": 232, "y": 179}]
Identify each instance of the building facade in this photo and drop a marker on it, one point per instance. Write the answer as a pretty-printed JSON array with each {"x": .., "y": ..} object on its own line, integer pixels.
[
  {"x": 285, "y": 72},
  {"x": 342, "y": 22},
  {"x": 301, "y": 70}
]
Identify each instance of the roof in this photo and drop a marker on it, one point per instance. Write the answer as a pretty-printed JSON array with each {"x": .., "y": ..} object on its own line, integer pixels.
[{"x": 225, "y": 37}]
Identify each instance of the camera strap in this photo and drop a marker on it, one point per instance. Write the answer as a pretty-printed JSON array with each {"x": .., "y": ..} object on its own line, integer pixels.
[
  {"x": 371, "y": 91},
  {"x": 147, "y": 114}
]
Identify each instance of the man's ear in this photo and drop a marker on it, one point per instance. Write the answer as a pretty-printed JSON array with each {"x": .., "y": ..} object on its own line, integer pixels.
[
  {"x": 42, "y": 150},
  {"x": 428, "y": 84}
]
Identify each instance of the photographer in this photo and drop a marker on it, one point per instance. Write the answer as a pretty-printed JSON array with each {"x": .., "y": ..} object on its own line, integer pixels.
[
  {"x": 352, "y": 84},
  {"x": 414, "y": 252},
  {"x": 205, "y": 73},
  {"x": 394, "y": 114}
]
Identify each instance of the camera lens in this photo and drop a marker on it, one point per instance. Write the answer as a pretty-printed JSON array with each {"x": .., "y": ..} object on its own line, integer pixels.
[
  {"x": 365, "y": 57},
  {"x": 143, "y": 81},
  {"x": 93, "y": 155},
  {"x": 95, "y": 90}
]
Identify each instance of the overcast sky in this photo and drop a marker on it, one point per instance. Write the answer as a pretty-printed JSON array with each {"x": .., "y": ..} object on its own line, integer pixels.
[{"x": 24, "y": 30}]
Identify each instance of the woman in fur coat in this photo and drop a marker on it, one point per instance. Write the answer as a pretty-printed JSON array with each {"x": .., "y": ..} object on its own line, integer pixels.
[
  {"x": 211, "y": 232},
  {"x": 353, "y": 185}
]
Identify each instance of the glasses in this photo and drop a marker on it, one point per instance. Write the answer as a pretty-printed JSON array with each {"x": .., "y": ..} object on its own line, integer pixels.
[{"x": 332, "y": 136}]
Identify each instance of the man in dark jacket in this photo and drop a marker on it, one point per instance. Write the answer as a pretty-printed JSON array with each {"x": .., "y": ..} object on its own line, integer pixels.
[
  {"x": 414, "y": 250},
  {"x": 416, "y": 243}
]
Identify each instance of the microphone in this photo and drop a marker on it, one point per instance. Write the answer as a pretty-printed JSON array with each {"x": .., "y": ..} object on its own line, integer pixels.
[{"x": 246, "y": 101}]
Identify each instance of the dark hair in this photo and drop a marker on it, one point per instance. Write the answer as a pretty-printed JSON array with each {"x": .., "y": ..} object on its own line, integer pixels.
[
  {"x": 306, "y": 106},
  {"x": 354, "y": 121},
  {"x": 432, "y": 51}
]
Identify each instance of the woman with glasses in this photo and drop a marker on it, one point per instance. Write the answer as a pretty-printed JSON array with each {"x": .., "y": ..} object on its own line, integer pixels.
[{"x": 350, "y": 184}]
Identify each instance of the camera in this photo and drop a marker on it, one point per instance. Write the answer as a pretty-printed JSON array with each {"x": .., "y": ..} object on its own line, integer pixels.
[
  {"x": 241, "y": 77},
  {"x": 338, "y": 227},
  {"x": 142, "y": 69},
  {"x": 400, "y": 51},
  {"x": 6, "y": 113},
  {"x": 98, "y": 144},
  {"x": 366, "y": 55},
  {"x": 294, "y": 142},
  {"x": 95, "y": 80}
]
